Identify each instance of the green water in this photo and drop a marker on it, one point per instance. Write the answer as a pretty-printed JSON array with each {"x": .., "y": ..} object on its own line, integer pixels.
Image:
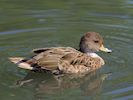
[{"x": 28, "y": 24}]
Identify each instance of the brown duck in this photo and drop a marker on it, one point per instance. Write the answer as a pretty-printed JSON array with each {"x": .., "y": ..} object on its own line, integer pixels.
[{"x": 66, "y": 59}]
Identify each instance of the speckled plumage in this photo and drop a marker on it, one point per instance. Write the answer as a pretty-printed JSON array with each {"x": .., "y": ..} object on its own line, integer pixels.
[{"x": 67, "y": 59}]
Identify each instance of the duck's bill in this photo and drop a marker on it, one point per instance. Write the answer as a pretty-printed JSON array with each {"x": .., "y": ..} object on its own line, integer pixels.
[{"x": 102, "y": 48}]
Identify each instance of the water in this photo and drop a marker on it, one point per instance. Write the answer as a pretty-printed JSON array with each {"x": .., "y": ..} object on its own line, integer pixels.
[{"x": 28, "y": 24}]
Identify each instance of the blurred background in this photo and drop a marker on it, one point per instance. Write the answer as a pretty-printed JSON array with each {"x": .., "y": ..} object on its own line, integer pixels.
[{"x": 28, "y": 24}]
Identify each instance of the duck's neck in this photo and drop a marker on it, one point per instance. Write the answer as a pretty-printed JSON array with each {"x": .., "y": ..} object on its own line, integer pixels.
[
  {"x": 94, "y": 55},
  {"x": 89, "y": 53},
  {"x": 85, "y": 50}
]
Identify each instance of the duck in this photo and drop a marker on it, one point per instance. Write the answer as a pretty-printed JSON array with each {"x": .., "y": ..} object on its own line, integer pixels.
[{"x": 67, "y": 60}]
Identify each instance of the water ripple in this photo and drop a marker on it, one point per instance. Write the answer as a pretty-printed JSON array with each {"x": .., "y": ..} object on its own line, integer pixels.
[
  {"x": 120, "y": 90},
  {"x": 125, "y": 98},
  {"x": 26, "y": 30}
]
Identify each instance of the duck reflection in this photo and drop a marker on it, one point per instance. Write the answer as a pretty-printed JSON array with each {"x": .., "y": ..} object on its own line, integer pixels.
[{"x": 46, "y": 84}]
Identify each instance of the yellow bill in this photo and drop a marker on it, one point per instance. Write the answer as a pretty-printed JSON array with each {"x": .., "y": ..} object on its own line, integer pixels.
[{"x": 102, "y": 48}]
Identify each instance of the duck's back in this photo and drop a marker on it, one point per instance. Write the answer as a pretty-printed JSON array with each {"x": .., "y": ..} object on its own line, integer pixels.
[{"x": 48, "y": 58}]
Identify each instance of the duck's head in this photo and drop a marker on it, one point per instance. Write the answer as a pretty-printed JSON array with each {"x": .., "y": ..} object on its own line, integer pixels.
[{"x": 92, "y": 42}]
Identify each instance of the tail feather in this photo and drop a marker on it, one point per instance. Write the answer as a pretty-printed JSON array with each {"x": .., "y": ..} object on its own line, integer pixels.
[
  {"x": 19, "y": 61},
  {"x": 16, "y": 60}
]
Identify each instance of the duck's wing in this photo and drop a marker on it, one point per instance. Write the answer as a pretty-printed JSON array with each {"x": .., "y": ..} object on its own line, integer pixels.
[
  {"x": 63, "y": 49},
  {"x": 48, "y": 58},
  {"x": 40, "y": 50},
  {"x": 78, "y": 63},
  {"x": 44, "y": 58}
]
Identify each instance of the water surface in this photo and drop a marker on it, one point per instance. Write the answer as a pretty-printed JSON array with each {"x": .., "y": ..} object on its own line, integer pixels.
[{"x": 28, "y": 24}]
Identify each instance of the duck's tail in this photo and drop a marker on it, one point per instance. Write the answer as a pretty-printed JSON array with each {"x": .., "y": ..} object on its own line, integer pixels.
[{"x": 20, "y": 61}]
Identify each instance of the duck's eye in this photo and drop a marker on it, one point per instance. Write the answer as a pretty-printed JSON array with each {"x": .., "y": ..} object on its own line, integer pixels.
[{"x": 96, "y": 41}]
